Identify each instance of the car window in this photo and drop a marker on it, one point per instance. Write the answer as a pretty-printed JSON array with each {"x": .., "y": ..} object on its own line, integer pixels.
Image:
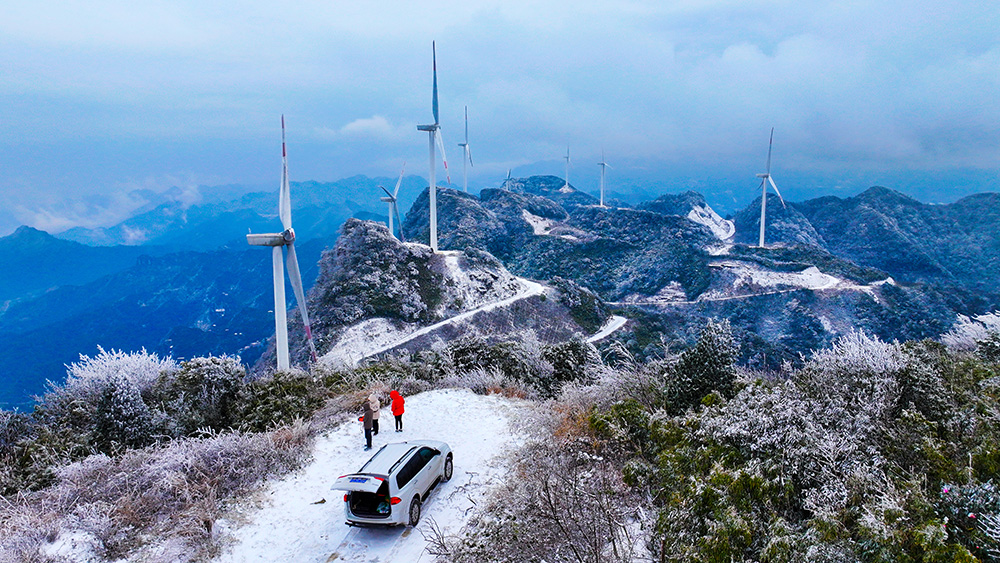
[
  {"x": 427, "y": 453},
  {"x": 409, "y": 470}
]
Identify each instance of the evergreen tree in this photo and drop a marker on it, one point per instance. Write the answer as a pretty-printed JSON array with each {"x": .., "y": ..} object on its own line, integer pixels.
[{"x": 704, "y": 368}]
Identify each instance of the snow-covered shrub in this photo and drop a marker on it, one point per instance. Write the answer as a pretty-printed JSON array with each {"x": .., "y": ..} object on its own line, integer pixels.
[
  {"x": 123, "y": 420},
  {"x": 490, "y": 381},
  {"x": 86, "y": 379},
  {"x": 706, "y": 367},
  {"x": 567, "y": 505},
  {"x": 202, "y": 394},
  {"x": 277, "y": 400},
  {"x": 71, "y": 408},
  {"x": 968, "y": 334},
  {"x": 172, "y": 490}
]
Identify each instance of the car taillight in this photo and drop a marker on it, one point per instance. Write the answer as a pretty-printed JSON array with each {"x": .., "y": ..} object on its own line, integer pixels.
[
  {"x": 395, "y": 500},
  {"x": 345, "y": 496}
]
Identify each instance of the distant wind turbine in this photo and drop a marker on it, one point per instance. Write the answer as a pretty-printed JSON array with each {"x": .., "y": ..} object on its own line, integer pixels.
[
  {"x": 765, "y": 180},
  {"x": 467, "y": 155},
  {"x": 567, "y": 167},
  {"x": 506, "y": 183},
  {"x": 603, "y": 165},
  {"x": 285, "y": 238},
  {"x": 434, "y": 138},
  {"x": 393, "y": 207}
]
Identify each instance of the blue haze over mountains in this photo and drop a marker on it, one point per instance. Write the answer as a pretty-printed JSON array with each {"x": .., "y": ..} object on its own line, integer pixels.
[{"x": 180, "y": 280}]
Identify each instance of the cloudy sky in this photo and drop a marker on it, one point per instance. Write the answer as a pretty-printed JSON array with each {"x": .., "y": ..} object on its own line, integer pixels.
[{"x": 105, "y": 102}]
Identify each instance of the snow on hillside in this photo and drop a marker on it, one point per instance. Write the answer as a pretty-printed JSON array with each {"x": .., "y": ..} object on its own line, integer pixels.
[
  {"x": 752, "y": 277},
  {"x": 300, "y": 519},
  {"x": 374, "y": 336},
  {"x": 705, "y": 215}
]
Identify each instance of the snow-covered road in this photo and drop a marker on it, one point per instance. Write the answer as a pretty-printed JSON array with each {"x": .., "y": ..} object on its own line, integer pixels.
[
  {"x": 300, "y": 519},
  {"x": 613, "y": 324},
  {"x": 530, "y": 289}
]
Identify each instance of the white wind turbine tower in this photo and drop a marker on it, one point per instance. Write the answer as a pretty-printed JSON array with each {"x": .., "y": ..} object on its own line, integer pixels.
[
  {"x": 567, "y": 167},
  {"x": 603, "y": 164},
  {"x": 392, "y": 201},
  {"x": 276, "y": 241},
  {"x": 467, "y": 155},
  {"x": 506, "y": 183},
  {"x": 765, "y": 180},
  {"x": 434, "y": 137}
]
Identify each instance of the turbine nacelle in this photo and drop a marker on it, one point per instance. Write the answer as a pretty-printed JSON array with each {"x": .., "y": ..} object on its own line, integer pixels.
[{"x": 283, "y": 238}]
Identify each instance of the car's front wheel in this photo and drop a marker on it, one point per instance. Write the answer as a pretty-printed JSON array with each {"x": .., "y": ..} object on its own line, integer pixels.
[
  {"x": 414, "y": 511},
  {"x": 449, "y": 467}
]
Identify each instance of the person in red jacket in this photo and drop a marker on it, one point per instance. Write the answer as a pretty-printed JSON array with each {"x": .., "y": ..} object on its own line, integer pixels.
[{"x": 397, "y": 409}]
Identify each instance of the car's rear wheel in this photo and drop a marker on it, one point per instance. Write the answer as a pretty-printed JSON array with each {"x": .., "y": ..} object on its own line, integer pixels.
[
  {"x": 449, "y": 467},
  {"x": 414, "y": 511}
]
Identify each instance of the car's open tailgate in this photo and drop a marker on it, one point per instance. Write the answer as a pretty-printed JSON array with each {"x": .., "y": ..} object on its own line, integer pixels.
[{"x": 358, "y": 482}]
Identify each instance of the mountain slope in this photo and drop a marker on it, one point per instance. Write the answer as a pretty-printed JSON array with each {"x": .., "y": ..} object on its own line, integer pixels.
[
  {"x": 36, "y": 261},
  {"x": 375, "y": 294}
]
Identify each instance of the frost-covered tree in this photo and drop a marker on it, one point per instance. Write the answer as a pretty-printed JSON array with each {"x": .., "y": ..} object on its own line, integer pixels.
[
  {"x": 123, "y": 419},
  {"x": 203, "y": 393},
  {"x": 707, "y": 366}
]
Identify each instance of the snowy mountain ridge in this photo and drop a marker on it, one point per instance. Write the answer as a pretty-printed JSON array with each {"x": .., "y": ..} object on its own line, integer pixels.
[{"x": 376, "y": 294}]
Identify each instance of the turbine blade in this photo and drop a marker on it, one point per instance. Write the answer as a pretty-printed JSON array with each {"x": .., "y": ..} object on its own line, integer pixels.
[
  {"x": 468, "y": 151},
  {"x": 395, "y": 192},
  {"x": 771, "y": 180},
  {"x": 399, "y": 222},
  {"x": 769, "y": 143},
  {"x": 284, "y": 198},
  {"x": 434, "y": 102},
  {"x": 300, "y": 297},
  {"x": 387, "y": 192},
  {"x": 466, "y": 125},
  {"x": 444, "y": 157}
]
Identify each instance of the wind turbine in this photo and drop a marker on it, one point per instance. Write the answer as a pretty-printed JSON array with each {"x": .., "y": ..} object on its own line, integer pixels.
[
  {"x": 393, "y": 208},
  {"x": 434, "y": 137},
  {"x": 506, "y": 183},
  {"x": 468, "y": 153},
  {"x": 603, "y": 165},
  {"x": 765, "y": 180},
  {"x": 285, "y": 238},
  {"x": 567, "y": 167}
]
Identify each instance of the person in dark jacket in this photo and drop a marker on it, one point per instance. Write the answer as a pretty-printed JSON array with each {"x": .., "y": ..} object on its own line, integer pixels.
[
  {"x": 367, "y": 419},
  {"x": 397, "y": 409}
]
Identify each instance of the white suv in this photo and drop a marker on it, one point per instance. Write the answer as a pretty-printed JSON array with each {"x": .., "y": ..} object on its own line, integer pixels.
[{"x": 389, "y": 489}]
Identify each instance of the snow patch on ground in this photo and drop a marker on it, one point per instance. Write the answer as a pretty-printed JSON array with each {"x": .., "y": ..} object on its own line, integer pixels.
[
  {"x": 540, "y": 225},
  {"x": 356, "y": 341},
  {"x": 754, "y": 279},
  {"x": 300, "y": 519},
  {"x": 673, "y": 292},
  {"x": 73, "y": 545},
  {"x": 566, "y": 190},
  {"x": 721, "y": 228}
]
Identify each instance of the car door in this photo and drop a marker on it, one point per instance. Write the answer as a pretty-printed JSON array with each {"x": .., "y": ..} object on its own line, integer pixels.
[{"x": 430, "y": 467}]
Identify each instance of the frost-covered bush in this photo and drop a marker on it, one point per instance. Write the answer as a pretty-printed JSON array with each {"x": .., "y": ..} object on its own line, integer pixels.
[
  {"x": 567, "y": 505},
  {"x": 86, "y": 379},
  {"x": 202, "y": 394},
  {"x": 968, "y": 334},
  {"x": 490, "y": 381},
  {"x": 72, "y": 406},
  {"x": 123, "y": 420},
  {"x": 706, "y": 367},
  {"x": 168, "y": 491},
  {"x": 278, "y": 400}
]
